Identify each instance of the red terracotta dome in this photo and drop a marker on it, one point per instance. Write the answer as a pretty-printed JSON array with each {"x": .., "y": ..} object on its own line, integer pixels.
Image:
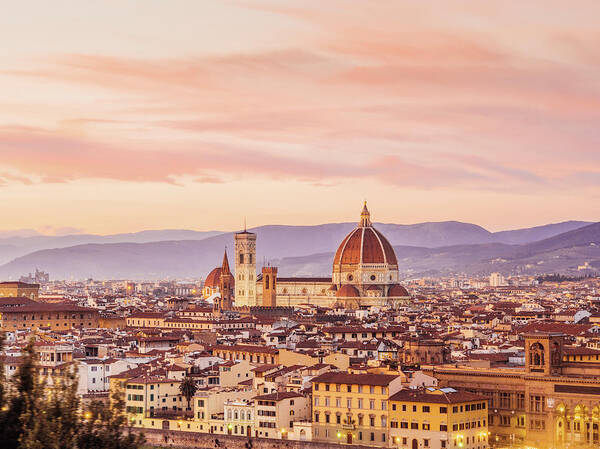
[
  {"x": 397, "y": 290},
  {"x": 347, "y": 291},
  {"x": 365, "y": 244},
  {"x": 213, "y": 279}
]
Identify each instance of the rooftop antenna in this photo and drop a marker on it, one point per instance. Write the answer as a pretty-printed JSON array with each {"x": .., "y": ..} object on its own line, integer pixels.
[{"x": 244, "y": 224}]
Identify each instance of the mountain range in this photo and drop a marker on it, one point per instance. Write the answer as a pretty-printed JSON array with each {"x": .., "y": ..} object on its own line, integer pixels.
[{"x": 433, "y": 248}]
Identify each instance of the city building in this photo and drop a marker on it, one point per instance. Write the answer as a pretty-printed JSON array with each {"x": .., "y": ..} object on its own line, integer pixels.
[
  {"x": 428, "y": 418},
  {"x": 352, "y": 408}
]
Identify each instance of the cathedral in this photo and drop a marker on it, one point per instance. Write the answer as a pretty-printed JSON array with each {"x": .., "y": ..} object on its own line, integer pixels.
[{"x": 364, "y": 273}]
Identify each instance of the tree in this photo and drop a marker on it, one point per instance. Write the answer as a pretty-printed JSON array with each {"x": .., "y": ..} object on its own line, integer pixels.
[
  {"x": 40, "y": 415},
  {"x": 188, "y": 389},
  {"x": 106, "y": 427}
]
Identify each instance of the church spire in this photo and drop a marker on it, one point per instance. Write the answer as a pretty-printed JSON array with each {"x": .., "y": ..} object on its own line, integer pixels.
[
  {"x": 365, "y": 216},
  {"x": 225, "y": 265}
]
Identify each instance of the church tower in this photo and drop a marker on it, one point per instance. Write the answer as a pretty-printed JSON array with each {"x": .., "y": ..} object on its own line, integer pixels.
[
  {"x": 226, "y": 286},
  {"x": 269, "y": 281},
  {"x": 245, "y": 268}
]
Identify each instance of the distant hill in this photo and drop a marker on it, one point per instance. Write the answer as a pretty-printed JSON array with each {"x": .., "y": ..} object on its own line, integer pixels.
[
  {"x": 425, "y": 248},
  {"x": 12, "y": 246},
  {"x": 528, "y": 235}
]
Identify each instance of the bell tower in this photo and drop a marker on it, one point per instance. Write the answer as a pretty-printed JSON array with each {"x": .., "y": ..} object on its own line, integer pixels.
[
  {"x": 245, "y": 268},
  {"x": 269, "y": 281},
  {"x": 226, "y": 286}
]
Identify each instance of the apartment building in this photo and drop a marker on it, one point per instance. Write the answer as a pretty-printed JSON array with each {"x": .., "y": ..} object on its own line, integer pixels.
[
  {"x": 352, "y": 408},
  {"x": 429, "y": 418}
]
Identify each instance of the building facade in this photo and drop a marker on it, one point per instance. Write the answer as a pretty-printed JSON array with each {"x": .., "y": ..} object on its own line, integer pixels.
[{"x": 554, "y": 402}]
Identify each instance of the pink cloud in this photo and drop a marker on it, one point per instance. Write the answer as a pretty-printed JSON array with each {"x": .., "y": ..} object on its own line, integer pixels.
[{"x": 430, "y": 103}]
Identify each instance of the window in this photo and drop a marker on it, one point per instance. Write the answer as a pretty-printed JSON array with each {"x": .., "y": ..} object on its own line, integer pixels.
[
  {"x": 338, "y": 419},
  {"x": 520, "y": 401},
  {"x": 316, "y": 417},
  {"x": 443, "y": 427},
  {"x": 349, "y": 387},
  {"x": 316, "y": 401},
  {"x": 414, "y": 425},
  {"x": 426, "y": 409},
  {"x": 372, "y": 421},
  {"x": 326, "y": 387},
  {"x": 316, "y": 385},
  {"x": 504, "y": 400},
  {"x": 372, "y": 404},
  {"x": 349, "y": 402},
  {"x": 426, "y": 443},
  {"x": 338, "y": 387},
  {"x": 425, "y": 426},
  {"x": 443, "y": 409},
  {"x": 536, "y": 403},
  {"x": 404, "y": 425}
]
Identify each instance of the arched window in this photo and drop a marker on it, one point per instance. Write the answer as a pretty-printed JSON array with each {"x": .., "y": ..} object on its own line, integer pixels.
[
  {"x": 267, "y": 281},
  {"x": 536, "y": 354}
]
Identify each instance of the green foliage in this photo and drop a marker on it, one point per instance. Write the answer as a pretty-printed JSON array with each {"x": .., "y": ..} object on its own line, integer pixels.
[{"x": 35, "y": 414}]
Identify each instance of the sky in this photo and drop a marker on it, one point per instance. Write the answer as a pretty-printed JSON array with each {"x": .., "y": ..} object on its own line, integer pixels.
[{"x": 122, "y": 115}]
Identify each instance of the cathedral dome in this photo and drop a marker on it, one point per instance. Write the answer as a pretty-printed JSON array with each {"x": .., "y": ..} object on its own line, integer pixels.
[
  {"x": 365, "y": 245},
  {"x": 397, "y": 290},
  {"x": 347, "y": 291},
  {"x": 213, "y": 279}
]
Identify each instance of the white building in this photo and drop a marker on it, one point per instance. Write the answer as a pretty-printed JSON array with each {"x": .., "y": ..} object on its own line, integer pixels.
[{"x": 497, "y": 280}]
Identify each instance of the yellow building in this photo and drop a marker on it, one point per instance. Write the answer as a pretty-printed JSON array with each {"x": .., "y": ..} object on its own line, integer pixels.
[
  {"x": 19, "y": 289},
  {"x": 57, "y": 316},
  {"x": 551, "y": 402},
  {"x": 148, "y": 397},
  {"x": 252, "y": 353},
  {"x": 438, "y": 419},
  {"x": 352, "y": 408}
]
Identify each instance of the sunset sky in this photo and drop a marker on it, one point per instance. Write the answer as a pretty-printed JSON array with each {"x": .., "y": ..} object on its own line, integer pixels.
[{"x": 120, "y": 116}]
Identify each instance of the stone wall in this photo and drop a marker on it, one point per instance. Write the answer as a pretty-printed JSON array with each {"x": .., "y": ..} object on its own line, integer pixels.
[{"x": 182, "y": 439}]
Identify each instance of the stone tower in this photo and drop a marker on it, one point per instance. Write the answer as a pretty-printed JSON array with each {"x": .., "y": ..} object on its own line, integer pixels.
[
  {"x": 543, "y": 352},
  {"x": 245, "y": 268},
  {"x": 269, "y": 281},
  {"x": 226, "y": 286}
]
